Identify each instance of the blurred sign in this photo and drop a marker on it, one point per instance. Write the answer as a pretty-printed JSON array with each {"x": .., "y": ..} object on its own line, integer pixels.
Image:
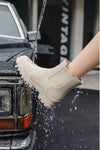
[
  {"x": 64, "y": 35},
  {"x": 55, "y": 28}
]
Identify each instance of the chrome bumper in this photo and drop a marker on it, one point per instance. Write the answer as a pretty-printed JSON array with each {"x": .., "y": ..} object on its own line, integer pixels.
[{"x": 19, "y": 143}]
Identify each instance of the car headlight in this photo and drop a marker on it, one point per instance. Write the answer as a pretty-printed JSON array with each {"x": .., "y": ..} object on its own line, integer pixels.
[
  {"x": 5, "y": 101},
  {"x": 25, "y": 106},
  {"x": 25, "y": 100}
]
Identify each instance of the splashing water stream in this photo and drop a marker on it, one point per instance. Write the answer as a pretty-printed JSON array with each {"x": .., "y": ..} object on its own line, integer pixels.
[{"x": 51, "y": 119}]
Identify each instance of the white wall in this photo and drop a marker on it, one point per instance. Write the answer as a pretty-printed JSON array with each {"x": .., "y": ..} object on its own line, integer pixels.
[{"x": 77, "y": 27}]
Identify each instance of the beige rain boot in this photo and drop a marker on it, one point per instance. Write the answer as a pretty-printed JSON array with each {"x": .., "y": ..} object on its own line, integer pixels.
[{"x": 52, "y": 84}]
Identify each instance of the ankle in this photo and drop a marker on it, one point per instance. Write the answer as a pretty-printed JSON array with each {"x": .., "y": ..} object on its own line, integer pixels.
[{"x": 69, "y": 68}]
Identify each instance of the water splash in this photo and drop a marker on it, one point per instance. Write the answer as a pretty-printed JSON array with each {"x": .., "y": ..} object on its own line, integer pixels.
[
  {"x": 74, "y": 107},
  {"x": 47, "y": 124}
]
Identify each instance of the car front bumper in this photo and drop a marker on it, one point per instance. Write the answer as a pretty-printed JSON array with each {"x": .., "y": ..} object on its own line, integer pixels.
[{"x": 19, "y": 143}]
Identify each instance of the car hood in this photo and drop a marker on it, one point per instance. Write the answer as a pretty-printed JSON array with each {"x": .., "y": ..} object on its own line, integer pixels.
[
  {"x": 10, "y": 43},
  {"x": 9, "y": 51}
]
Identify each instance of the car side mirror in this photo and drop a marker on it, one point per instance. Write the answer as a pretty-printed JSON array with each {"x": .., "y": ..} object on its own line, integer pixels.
[{"x": 32, "y": 34}]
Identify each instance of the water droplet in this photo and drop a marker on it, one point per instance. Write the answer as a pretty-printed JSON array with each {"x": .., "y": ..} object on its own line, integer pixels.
[
  {"x": 70, "y": 109},
  {"x": 75, "y": 108},
  {"x": 81, "y": 139},
  {"x": 80, "y": 146},
  {"x": 87, "y": 93},
  {"x": 86, "y": 147},
  {"x": 75, "y": 97},
  {"x": 46, "y": 135},
  {"x": 73, "y": 132},
  {"x": 69, "y": 129},
  {"x": 51, "y": 118},
  {"x": 46, "y": 130},
  {"x": 80, "y": 92},
  {"x": 59, "y": 104},
  {"x": 52, "y": 140},
  {"x": 65, "y": 146}
]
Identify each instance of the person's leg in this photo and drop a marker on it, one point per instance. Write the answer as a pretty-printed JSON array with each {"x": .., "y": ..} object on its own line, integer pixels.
[
  {"x": 87, "y": 59},
  {"x": 53, "y": 84}
]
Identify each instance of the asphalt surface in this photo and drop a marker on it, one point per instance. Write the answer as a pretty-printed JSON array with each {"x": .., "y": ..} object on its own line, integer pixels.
[{"x": 72, "y": 125}]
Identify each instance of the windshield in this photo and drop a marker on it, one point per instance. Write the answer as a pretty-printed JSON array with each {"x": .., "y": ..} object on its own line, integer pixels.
[{"x": 8, "y": 26}]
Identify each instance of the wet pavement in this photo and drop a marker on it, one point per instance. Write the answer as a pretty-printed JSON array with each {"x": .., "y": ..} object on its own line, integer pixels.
[{"x": 72, "y": 125}]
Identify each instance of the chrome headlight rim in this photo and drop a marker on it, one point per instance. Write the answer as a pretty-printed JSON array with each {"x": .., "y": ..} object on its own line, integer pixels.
[{"x": 7, "y": 113}]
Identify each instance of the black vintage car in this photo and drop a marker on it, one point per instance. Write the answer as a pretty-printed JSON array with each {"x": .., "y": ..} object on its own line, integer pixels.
[{"x": 17, "y": 104}]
